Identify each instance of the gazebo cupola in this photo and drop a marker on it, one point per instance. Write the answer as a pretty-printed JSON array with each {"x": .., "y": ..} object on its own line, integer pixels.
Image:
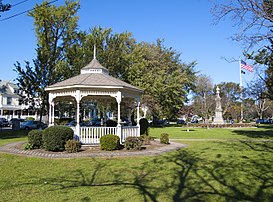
[{"x": 94, "y": 67}]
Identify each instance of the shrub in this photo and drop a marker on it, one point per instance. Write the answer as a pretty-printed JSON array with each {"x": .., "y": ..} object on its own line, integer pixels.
[
  {"x": 28, "y": 146},
  {"x": 72, "y": 146},
  {"x": 144, "y": 125},
  {"x": 35, "y": 138},
  {"x": 147, "y": 139},
  {"x": 55, "y": 137},
  {"x": 109, "y": 142},
  {"x": 111, "y": 123},
  {"x": 164, "y": 138},
  {"x": 133, "y": 143}
]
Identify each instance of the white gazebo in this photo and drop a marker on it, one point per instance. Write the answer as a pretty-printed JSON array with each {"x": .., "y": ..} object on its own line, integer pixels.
[{"x": 95, "y": 83}]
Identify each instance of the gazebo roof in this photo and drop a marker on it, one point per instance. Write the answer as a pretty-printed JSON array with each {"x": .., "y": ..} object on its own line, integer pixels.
[{"x": 93, "y": 75}]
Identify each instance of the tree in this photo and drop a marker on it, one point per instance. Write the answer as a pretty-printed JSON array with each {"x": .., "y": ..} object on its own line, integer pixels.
[
  {"x": 113, "y": 51},
  {"x": 254, "y": 18},
  {"x": 55, "y": 31},
  {"x": 257, "y": 91},
  {"x": 230, "y": 94},
  {"x": 264, "y": 57},
  {"x": 62, "y": 51},
  {"x": 204, "y": 96},
  {"x": 4, "y": 7},
  {"x": 166, "y": 81}
]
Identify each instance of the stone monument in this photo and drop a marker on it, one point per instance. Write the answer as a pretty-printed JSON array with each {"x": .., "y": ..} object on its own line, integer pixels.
[{"x": 218, "y": 119}]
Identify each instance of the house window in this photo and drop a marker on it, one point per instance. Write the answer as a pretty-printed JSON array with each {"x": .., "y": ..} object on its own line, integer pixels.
[{"x": 9, "y": 100}]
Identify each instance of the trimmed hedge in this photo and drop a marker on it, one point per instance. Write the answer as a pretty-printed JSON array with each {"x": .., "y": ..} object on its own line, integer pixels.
[
  {"x": 109, "y": 142},
  {"x": 164, "y": 138},
  {"x": 133, "y": 143},
  {"x": 72, "y": 146},
  {"x": 55, "y": 137},
  {"x": 35, "y": 139}
]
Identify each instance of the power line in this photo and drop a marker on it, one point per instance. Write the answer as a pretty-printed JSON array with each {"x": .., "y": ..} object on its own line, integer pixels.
[
  {"x": 19, "y": 3},
  {"x": 15, "y": 15}
]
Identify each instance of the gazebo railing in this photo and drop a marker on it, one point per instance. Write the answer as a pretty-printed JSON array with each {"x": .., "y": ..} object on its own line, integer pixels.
[
  {"x": 129, "y": 131},
  {"x": 92, "y": 135}
]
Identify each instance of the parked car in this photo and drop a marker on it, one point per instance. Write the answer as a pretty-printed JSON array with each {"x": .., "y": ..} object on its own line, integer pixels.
[
  {"x": 95, "y": 121},
  {"x": 28, "y": 125},
  {"x": 73, "y": 123},
  {"x": 263, "y": 121},
  {"x": 15, "y": 119},
  {"x": 4, "y": 122},
  {"x": 194, "y": 121},
  {"x": 181, "y": 121}
]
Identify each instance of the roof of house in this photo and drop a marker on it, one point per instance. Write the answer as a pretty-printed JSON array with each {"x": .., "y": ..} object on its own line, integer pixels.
[{"x": 7, "y": 89}]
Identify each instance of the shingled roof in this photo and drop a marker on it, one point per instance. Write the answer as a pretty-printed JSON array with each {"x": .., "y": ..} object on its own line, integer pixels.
[{"x": 93, "y": 75}]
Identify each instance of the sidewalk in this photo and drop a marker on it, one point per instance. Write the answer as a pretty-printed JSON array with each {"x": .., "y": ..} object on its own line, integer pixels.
[{"x": 15, "y": 148}]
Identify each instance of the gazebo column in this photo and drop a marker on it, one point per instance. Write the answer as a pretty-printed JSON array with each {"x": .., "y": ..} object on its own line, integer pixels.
[
  {"x": 119, "y": 129},
  {"x": 138, "y": 116},
  {"x": 78, "y": 99},
  {"x": 53, "y": 114},
  {"x": 50, "y": 110}
]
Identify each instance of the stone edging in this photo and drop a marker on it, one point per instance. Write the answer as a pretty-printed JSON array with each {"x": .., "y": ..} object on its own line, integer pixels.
[{"x": 12, "y": 148}]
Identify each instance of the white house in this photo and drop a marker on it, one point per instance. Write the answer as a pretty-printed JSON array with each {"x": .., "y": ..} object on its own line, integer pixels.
[{"x": 10, "y": 104}]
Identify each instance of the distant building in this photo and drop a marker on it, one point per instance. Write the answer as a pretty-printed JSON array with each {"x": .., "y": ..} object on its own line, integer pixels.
[{"x": 10, "y": 102}]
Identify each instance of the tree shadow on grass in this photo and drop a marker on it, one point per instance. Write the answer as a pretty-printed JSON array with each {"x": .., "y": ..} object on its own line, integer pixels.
[
  {"x": 10, "y": 134},
  {"x": 266, "y": 134},
  {"x": 246, "y": 177},
  {"x": 181, "y": 176}
]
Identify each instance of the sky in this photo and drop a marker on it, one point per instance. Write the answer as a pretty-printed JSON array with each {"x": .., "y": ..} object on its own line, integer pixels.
[{"x": 185, "y": 25}]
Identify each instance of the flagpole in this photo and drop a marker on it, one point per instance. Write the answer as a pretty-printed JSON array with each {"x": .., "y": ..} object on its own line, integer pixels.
[{"x": 241, "y": 91}]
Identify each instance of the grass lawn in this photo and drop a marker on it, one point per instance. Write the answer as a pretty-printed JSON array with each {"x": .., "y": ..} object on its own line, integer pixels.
[
  {"x": 205, "y": 171},
  {"x": 263, "y": 132},
  {"x": 7, "y": 136}
]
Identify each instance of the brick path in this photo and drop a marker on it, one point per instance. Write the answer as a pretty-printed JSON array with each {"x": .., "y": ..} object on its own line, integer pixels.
[{"x": 14, "y": 148}]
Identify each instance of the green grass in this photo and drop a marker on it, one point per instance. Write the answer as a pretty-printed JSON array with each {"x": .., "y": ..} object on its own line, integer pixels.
[
  {"x": 204, "y": 171},
  {"x": 8, "y": 136},
  {"x": 265, "y": 132}
]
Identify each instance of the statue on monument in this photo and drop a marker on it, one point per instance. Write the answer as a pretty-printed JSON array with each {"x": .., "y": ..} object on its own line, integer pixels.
[{"x": 218, "y": 119}]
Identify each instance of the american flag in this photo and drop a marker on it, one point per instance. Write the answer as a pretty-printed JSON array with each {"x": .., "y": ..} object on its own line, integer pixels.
[{"x": 246, "y": 66}]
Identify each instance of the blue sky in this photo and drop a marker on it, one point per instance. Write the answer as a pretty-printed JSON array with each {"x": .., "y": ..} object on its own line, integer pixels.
[{"x": 185, "y": 25}]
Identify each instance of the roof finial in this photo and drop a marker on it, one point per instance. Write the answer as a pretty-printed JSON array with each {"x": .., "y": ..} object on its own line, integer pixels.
[{"x": 94, "y": 51}]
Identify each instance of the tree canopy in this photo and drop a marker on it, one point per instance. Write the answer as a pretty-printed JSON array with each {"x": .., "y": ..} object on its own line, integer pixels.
[
  {"x": 55, "y": 30},
  {"x": 62, "y": 50}
]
